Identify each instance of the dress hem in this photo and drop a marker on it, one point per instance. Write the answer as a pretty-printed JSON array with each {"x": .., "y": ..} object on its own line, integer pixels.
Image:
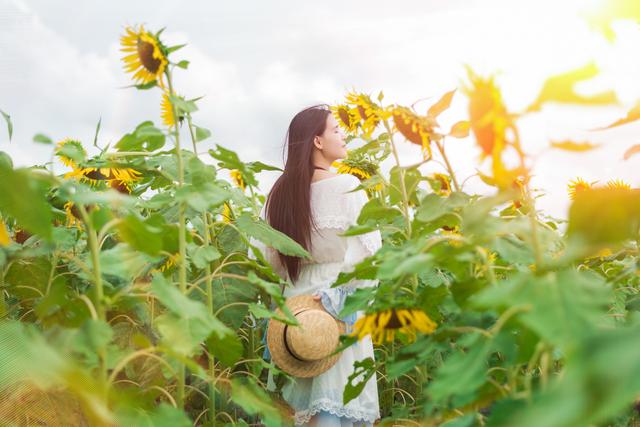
[{"x": 326, "y": 405}]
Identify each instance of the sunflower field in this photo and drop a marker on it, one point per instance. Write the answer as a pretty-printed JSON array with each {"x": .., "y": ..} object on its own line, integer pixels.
[{"x": 130, "y": 294}]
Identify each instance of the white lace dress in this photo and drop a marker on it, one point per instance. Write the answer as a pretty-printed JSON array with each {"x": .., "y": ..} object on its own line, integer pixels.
[{"x": 334, "y": 210}]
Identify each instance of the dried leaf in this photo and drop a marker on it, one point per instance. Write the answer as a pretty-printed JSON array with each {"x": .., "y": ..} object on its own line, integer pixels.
[
  {"x": 573, "y": 146},
  {"x": 560, "y": 88},
  {"x": 634, "y": 149},
  {"x": 442, "y": 104},
  {"x": 460, "y": 129}
]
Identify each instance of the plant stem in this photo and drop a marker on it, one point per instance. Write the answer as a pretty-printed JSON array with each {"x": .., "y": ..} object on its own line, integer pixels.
[
  {"x": 182, "y": 233},
  {"x": 209, "y": 283},
  {"x": 405, "y": 198},
  {"x": 449, "y": 168},
  {"x": 92, "y": 239}
]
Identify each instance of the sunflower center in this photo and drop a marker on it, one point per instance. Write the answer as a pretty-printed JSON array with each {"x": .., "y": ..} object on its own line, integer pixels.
[
  {"x": 394, "y": 322},
  {"x": 145, "y": 53}
]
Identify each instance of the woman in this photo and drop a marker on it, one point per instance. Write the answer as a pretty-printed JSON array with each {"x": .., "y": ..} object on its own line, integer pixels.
[{"x": 314, "y": 206}]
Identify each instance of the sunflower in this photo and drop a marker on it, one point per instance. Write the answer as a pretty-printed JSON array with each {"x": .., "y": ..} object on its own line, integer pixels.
[
  {"x": 75, "y": 145},
  {"x": 383, "y": 325},
  {"x": 120, "y": 179},
  {"x": 166, "y": 111},
  {"x": 73, "y": 216},
  {"x": 236, "y": 175},
  {"x": 346, "y": 117},
  {"x": 367, "y": 113},
  {"x": 226, "y": 213},
  {"x": 360, "y": 168},
  {"x": 145, "y": 56},
  {"x": 576, "y": 186},
  {"x": 618, "y": 184},
  {"x": 487, "y": 113},
  {"x": 415, "y": 128},
  {"x": 441, "y": 183}
]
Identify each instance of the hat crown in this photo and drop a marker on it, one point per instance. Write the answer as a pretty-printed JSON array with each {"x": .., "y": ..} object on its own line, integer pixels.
[{"x": 317, "y": 336}]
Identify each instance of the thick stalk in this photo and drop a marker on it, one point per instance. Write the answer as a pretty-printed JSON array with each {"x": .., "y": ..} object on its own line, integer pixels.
[
  {"x": 209, "y": 284},
  {"x": 403, "y": 188},
  {"x": 92, "y": 239},
  {"x": 182, "y": 234}
]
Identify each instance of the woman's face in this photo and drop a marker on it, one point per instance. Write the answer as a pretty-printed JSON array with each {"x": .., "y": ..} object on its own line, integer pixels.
[{"x": 331, "y": 142}]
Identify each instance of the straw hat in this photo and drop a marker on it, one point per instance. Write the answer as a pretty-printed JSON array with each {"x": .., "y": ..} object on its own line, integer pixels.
[{"x": 304, "y": 351}]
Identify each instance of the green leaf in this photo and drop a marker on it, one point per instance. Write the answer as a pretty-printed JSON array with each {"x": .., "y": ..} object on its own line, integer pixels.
[
  {"x": 254, "y": 401},
  {"x": 203, "y": 255},
  {"x": 273, "y": 289},
  {"x": 189, "y": 322},
  {"x": 145, "y": 137},
  {"x": 363, "y": 370},
  {"x": 23, "y": 196},
  {"x": 417, "y": 263},
  {"x": 95, "y": 136},
  {"x": 7, "y": 118},
  {"x": 175, "y": 48},
  {"x": 228, "y": 350},
  {"x": 145, "y": 236},
  {"x": 259, "y": 229},
  {"x": 202, "y": 197},
  {"x": 122, "y": 261},
  {"x": 91, "y": 338},
  {"x": 164, "y": 415},
  {"x": 42, "y": 139},
  {"x": 183, "y": 106},
  {"x": 561, "y": 307},
  {"x": 5, "y": 160},
  {"x": 74, "y": 151},
  {"x": 202, "y": 133},
  {"x": 411, "y": 179},
  {"x": 262, "y": 312},
  {"x": 183, "y": 64},
  {"x": 513, "y": 251},
  {"x": 24, "y": 354},
  {"x": 462, "y": 374},
  {"x": 146, "y": 86}
]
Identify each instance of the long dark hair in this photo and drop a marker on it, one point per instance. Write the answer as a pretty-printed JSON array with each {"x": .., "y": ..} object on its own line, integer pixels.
[{"x": 288, "y": 205}]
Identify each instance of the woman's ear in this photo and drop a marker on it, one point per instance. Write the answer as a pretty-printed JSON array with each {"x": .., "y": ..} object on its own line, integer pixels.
[{"x": 316, "y": 142}]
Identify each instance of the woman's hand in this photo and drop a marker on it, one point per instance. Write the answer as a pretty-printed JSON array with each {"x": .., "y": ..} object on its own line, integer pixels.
[{"x": 316, "y": 297}]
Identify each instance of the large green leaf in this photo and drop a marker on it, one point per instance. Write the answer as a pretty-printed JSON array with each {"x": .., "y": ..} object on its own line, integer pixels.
[
  {"x": 411, "y": 180},
  {"x": 601, "y": 380},
  {"x": 202, "y": 197},
  {"x": 145, "y": 137},
  {"x": 189, "y": 323},
  {"x": 23, "y": 196},
  {"x": 561, "y": 306},
  {"x": 463, "y": 373},
  {"x": 255, "y": 401},
  {"x": 259, "y": 229},
  {"x": 122, "y": 261},
  {"x": 164, "y": 415}
]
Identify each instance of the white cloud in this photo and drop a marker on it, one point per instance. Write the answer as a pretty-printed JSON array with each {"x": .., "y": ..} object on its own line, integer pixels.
[{"x": 258, "y": 66}]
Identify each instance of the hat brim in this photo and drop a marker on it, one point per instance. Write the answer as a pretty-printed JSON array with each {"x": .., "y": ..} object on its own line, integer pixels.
[{"x": 279, "y": 354}]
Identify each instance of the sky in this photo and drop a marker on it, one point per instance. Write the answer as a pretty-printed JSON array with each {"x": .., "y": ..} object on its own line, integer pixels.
[{"x": 258, "y": 63}]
